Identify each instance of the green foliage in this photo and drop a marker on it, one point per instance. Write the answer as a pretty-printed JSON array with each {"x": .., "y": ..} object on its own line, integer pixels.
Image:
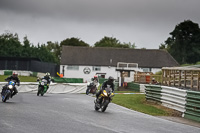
[
  {"x": 12, "y": 47},
  {"x": 113, "y": 42},
  {"x": 197, "y": 63},
  {"x": 184, "y": 43},
  {"x": 158, "y": 73},
  {"x": 74, "y": 42}
]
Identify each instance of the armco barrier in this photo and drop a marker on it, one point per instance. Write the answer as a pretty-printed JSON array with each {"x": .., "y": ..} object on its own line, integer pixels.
[
  {"x": 193, "y": 106},
  {"x": 187, "y": 102},
  {"x": 169, "y": 96},
  {"x": 54, "y": 87},
  {"x": 153, "y": 92},
  {"x": 173, "y": 98}
]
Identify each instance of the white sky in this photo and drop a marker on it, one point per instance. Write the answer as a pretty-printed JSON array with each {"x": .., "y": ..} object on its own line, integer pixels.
[{"x": 147, "y": 23}]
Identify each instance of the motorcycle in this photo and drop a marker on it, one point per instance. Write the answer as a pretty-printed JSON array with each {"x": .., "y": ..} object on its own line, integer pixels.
[
  {"x": 42, "y": 87},
  {"x": 92, "y": 88},
  {"x": 6, "y": 94},
  {"x": 104, "y": 99}
]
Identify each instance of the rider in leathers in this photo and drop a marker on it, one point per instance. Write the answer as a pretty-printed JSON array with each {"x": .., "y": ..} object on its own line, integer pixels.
[
  {"x": 14, "y": 78},
  {"x": 104, "y": 85},
  {"x": 48, "y": 78}
]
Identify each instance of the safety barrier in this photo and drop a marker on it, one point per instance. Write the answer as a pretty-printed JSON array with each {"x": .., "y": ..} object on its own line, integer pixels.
[
  {"x": 193, "y": 106},
  {"x": 68, "y": 80},
  {"x": 133, "y": 86},
  {"x": 54, "y": 87},
  {"x": 153, "y": 93},
  {"x": 187, "y": 102}
]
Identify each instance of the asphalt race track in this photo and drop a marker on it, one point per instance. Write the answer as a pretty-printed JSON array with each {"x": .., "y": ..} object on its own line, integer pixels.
[{"x": 74, "y": 113}]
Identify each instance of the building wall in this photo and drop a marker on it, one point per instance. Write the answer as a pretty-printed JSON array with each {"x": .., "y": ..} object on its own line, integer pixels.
[{"x": 109, "y": 71}]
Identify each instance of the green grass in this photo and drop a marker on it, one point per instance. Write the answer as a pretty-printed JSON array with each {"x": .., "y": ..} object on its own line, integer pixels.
[
  {"x": 126, "y": 92},
  {"x": 22, "y": 78},
  {"x": 138, "y": 103}
]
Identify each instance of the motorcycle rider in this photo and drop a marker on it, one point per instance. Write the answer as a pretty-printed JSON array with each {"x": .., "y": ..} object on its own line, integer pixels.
[
  {"x": 154, "y": 81},
  {"x": 94, "y": 82},
  {"x": 48, "y": 78},
  {"x": 104, "y": 85},
  {"x": 14, "y": 78}
]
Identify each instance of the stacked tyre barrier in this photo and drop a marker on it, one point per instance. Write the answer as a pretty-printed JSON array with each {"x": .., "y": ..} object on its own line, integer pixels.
[{"x": 184, "y": 101}]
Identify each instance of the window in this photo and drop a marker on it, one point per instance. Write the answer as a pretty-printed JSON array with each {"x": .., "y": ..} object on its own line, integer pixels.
[
  {"x": 96, "y": 68},
  {"x": 146, "y": 69},
  {"x": 71, "y": 67}
]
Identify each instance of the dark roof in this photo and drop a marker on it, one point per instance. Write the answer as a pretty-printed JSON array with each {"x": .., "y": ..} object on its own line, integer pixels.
[{"x": 101, "y": 56}]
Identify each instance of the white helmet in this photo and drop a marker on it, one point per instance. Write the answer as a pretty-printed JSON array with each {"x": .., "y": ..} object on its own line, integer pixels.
[{"x": 47, "y": 74}]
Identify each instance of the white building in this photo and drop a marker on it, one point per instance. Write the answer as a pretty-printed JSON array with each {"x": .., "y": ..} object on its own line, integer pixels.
[{"x": 85, "y": 62}]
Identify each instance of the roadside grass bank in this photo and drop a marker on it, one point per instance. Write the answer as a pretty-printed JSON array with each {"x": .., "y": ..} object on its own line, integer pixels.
[
  {"x": 22, "y": 78},
  {"x": 138, "y": 103},
  {"x": 126, "y": 92}
]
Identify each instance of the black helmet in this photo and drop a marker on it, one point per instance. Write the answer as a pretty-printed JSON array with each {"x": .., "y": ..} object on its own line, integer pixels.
[{"x": 110, "y": 79}]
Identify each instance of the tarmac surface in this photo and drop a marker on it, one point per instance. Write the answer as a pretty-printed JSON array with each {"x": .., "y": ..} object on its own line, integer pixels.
[
  {"x": 74, "y": 113},
  {"x": 181, "y": 120}
]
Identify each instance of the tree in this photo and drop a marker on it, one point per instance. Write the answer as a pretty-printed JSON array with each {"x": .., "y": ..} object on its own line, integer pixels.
[
  {"x": 73, "y": 42},
  {"x": 113, "y": 42},
  {"x": 55, "y": 49},
  {"x": 184, "y": 43},
  {"x": 10, "y": 45},
  {"x": 26, "y": 50}
]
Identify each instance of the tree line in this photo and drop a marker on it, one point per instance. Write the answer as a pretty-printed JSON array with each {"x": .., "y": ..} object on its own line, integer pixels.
[
  {"x": 183, "y": 44},
  {"x": 10, "y": 46}
]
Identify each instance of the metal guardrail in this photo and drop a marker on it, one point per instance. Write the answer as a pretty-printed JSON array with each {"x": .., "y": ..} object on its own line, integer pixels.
[
  {"x": 187, "y": 102},
  {"x": 193, "y": 106},
  {"x": 168, "y": 96}
]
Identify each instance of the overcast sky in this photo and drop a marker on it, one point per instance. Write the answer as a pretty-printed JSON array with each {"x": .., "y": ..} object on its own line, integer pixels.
[{"x": 147, "y": 23}]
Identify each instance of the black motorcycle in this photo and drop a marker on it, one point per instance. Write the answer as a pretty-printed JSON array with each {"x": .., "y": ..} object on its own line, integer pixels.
[
  {"x": 91, "y": 88},
  {"x": 104, "y": 99},
  {"x": 7, "y": 92}
]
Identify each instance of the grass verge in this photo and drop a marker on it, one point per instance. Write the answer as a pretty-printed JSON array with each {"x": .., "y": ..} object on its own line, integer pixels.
[
  {"x": 22, "y": 78},
  {"x": 138, "y": 103}
]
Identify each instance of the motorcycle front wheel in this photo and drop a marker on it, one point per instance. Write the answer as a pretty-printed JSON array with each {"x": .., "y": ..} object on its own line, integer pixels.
[
  {"x": 6, "y": 96},
  {"x": 96, "y": 105},
  {"x": 87, "y": 91},
  {"x": 104, "y": 105}
]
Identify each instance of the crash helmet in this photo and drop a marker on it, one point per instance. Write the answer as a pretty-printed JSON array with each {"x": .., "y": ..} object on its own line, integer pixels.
[
  {"x": 110, "y": 79},
  {"x": 47, "y": 74},
  {"x": 14, "y": 75},
  {"x": 95, "y": 76}
]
